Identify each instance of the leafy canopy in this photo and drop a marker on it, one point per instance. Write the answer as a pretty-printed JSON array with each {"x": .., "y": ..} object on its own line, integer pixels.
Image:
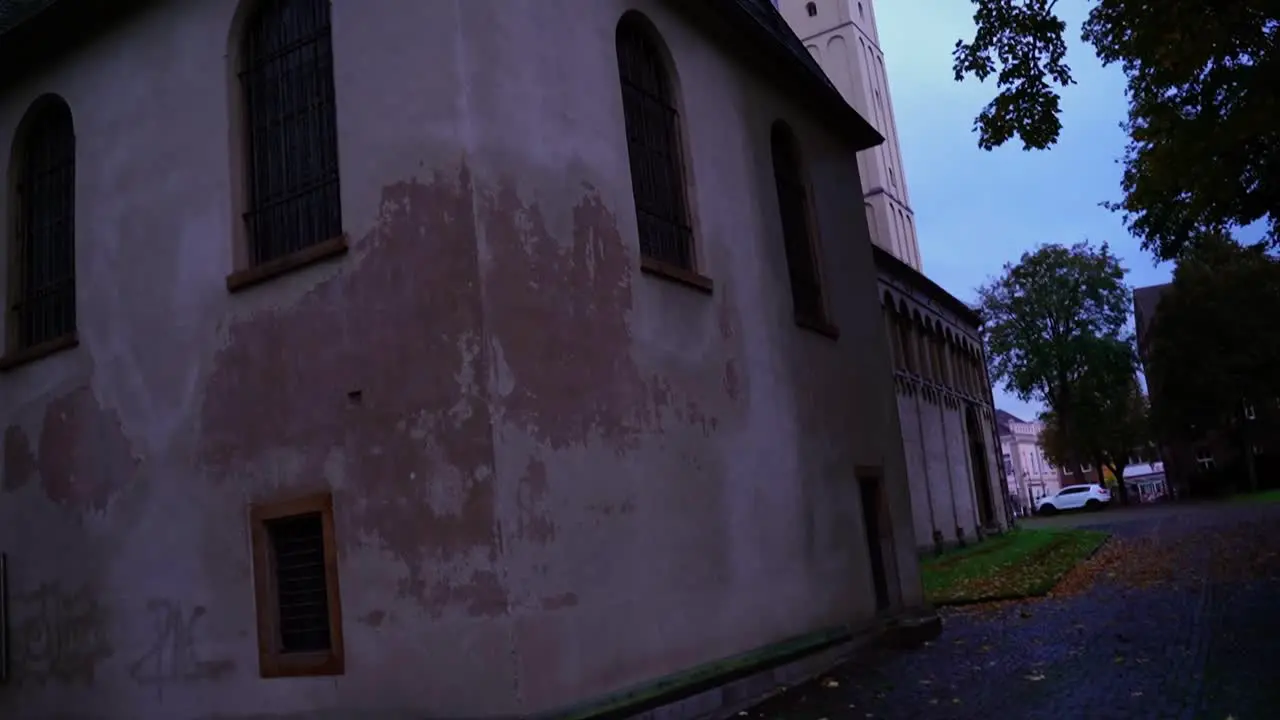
[
  {"x": 1044, "y": 318},
  {"x": 1212, "y": 346},
  {"x": 1203, "y": 156},
  {"x": 1110, "y": 411}
]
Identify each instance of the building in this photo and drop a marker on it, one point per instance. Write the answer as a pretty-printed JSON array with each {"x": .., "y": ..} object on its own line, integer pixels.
[
  {"x": 1030, "y": 474},
  {"x": 431, "y": 358},
  {"x": 945, "y": 404},
  {"x": 1216, "y": 451},
  {"x": 842, "y": 36},
  {"x": 1144, "y": 477}
]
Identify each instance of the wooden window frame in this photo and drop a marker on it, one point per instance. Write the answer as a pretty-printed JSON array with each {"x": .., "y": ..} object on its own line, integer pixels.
[
  {"x": 269, "y": 243},
  {"x": 667, "y": 164},
  {"x": 19, "y": 347},
  {"x": 271, "y": 662},
  {"x": 800, "y": 233}
]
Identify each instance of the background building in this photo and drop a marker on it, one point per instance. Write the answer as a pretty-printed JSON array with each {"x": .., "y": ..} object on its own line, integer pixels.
[
  {"x": 1029, "y": 473},
  {"x": 945, "y": 405},
  {"x": 1216, "y": 456}
]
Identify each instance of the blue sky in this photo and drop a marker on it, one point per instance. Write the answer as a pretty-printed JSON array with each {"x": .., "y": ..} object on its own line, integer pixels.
[{"x": 976, "y": 210}]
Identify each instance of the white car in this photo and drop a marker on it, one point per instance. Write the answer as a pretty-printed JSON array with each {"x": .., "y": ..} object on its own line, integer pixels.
[{"x": 1074, "y": 497}]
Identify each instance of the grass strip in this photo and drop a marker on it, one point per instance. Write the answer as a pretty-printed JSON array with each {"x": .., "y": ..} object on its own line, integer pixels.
[{"x": 1018, "y": 564}]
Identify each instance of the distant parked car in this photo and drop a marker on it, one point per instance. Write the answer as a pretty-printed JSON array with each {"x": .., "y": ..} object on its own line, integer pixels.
[{"x": 1074, "y": 497}]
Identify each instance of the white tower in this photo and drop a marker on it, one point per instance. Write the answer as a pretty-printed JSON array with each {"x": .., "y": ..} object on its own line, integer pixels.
[{"x": 841, "y": 35}]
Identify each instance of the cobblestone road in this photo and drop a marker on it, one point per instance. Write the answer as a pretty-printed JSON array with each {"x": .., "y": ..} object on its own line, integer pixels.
[{"x": 1178, "y": 617}]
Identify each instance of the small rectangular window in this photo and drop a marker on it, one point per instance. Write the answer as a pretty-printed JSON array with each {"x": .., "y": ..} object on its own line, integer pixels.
[{"x": 296, "y": 588}]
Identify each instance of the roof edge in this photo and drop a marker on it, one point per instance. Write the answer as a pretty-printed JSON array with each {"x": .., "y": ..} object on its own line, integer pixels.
[
  {"x": 921, "y": 281},
  {"x": 763, "y": 46}
]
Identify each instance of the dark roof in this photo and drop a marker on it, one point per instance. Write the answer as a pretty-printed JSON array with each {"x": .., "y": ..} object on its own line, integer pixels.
[
  {"x": 1003, "y": 419},
  {"x": 762, "y": 36},
  {"x": 15, "y": 12},
  {"x": 766, "y": 14},
  {"x": 758, "y": 22},
  {"x": 35, "y": 32},
  {"x": 887, "y": 261}
]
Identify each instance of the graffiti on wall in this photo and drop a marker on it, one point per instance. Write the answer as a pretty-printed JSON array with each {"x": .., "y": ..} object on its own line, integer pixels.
[
  {"x": 172, "y": 655},
  {"x": 59, "y": 636}
]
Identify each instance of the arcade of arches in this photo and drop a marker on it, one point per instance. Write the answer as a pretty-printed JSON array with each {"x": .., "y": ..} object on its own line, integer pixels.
[{"x": 945, "y": 416}]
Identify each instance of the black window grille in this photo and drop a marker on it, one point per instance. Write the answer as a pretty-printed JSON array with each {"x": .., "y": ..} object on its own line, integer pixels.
[
  {"x": 43, "y": 298},
  {"x": 793, "y": 205},
  {"x": 292, "y": 165},
  {"x": 302, "y": 589},
  {"x": 654, "y": 147}
]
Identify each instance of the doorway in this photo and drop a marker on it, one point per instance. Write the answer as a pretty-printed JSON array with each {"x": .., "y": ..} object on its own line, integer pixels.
[
  {"x": 875, "y": 522},
  {"x": 978, "y": 465}
]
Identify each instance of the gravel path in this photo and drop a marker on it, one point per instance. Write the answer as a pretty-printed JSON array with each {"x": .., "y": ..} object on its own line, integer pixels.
[{"x": 1177, "y": 617}]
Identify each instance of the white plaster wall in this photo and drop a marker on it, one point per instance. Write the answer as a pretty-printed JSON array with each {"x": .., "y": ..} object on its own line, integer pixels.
[
  {"x": 917, "y": 467},
  {"x": 729, "y": 540}
]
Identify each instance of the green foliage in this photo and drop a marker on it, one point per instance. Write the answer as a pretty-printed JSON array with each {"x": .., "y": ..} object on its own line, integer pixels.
[
  {"x": 1266, "y": 497},
  {"x": 1213, "y": 344},
  {"x": 1020, "y": 42},
  {"x": 1202, "y": 153},
  {"x": 1054, "y": 443},
  {"x": 1046, "y": 318},
  {"x": 1055, "y": 325},
  {"x": 1111, "y": 416}
]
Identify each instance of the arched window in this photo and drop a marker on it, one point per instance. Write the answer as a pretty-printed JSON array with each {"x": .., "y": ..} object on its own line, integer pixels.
[
  {"x": 924, "y": 339},
  {"x": 948, "y": 361},
  {"x": 797, "y": 231},
  {"x": 286, "y": 76},
  {"x": 891, "y": 327},
  {"x": 654, "y": 145},
  {"x": 42, "y": 293},
  {"x": 936, "y": 345},
  {"x": 908, "y": 339}
]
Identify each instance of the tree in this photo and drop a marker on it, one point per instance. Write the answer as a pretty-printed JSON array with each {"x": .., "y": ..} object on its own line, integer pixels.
[
  {"x": 1111, "y": 416},
  {"x": 1213, "y": 353},
  {"x": 1046, "y": 320},
  {"x": 1202, "y": 156}
]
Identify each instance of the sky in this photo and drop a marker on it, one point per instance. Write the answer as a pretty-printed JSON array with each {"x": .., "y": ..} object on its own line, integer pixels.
[{"x": 977, "y": 210}]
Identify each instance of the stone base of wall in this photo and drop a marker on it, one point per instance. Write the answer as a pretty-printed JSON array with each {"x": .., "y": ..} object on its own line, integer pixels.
[
  {"x": 721, "y": 690},
  {"x": 728, "y": 700},
  {"x": 908, "y": 629}
]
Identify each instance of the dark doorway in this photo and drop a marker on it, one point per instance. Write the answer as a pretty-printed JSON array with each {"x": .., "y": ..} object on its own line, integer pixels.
[
  {"x": 978, "y": 465},
  {"x": 873, "y": 520}
]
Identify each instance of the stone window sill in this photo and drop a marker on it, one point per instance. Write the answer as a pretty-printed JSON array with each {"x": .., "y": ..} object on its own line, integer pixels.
[
  {"x": 26, "y": 355},
  {"x": 822, "y": 327},
  {"x": 667, "y": 271},
  {"x": 306, "y": 257}
]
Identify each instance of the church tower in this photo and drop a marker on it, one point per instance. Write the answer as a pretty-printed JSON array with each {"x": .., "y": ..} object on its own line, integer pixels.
[{"x": 841, "y": 35}]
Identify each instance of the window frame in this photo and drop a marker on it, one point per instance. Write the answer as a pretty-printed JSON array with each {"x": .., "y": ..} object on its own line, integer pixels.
[
  {"x": 17, "y": 349},
  {"x": 272, "y": 663},
  {"x": 247, "y": 270},
  {"x": 688, "y": 271},
  {"x": 792, "y": 184}
]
